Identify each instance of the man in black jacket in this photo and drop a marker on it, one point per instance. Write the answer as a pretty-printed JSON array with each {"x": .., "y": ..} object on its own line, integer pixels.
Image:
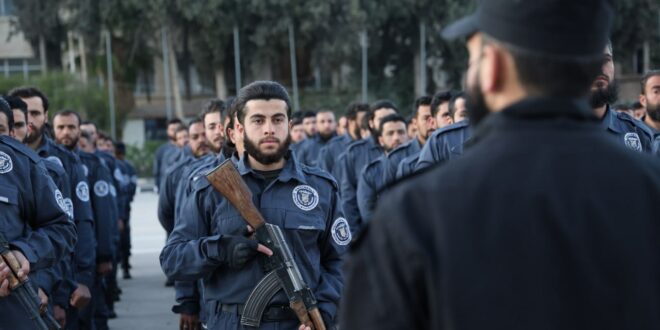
[{"x": 524, "y": 231}]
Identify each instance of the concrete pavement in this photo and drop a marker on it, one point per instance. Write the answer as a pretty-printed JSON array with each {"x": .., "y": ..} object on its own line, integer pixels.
[{"x": 145, "y": 303}]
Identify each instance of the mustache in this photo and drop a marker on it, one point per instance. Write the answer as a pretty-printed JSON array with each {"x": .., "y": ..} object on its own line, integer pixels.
[{"x": 269, "y": 140}]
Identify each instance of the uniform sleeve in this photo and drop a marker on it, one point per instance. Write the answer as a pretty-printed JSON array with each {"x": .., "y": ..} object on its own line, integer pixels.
[
  {"x": 389, "y": 293},
  {"x": 324, "y": 160},
  {"x": 158, "y": 159},
  {"x": 426, "y": 156},
  {"x": 348, "y": 189},
  {"x": 366, "y": 198},
  {"x": 166, "y": 198},
  {"x": 105, "y": 212},
  {"x": 52, "y": 234},
  {"x": 187, "y": 296},
  {"x": 190, "y": 253},
  {"x": 85, "y": 250},
  {"x": 332, "y": 251}
]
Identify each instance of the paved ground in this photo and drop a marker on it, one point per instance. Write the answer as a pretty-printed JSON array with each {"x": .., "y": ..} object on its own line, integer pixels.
[{"x": 146, "y": 303}]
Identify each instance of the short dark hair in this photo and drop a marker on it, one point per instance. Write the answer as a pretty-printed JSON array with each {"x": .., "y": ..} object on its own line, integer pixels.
[
  {"x": 646, "y": 77},
  {"x": 309, "y": 114},
  {"x": 382, "y": 104},
  {"x": 213, "y": 106},
  {"x": 196, "y": 120},
  {"x": 6, "y": 109},
  {"x": 120, "y": 148},
  {"x": 622, "y": 107},
  {"x": 261, "y": 90},
  {"x": 365, "y": 123},
  {"x": 182, "y": 128},
  {"x": 296, "y": 121},
  {"x": 420, "y": 101},
  {"x": 353, "y": 109},
  {"x": 27, "y": 92},
  {"x": 174, "y": 121},
  {"x": 67, "y": 112},
  {"x": 637, "y": 105},
  {"x": 391, "y": 118},
  {"x": 543, "y": 74},
  {"x": 452, "y": 102},
  {"x": 438, "y": 99},
  {"x": 85, "y": 135},
  {"x": 89, "y": 122},
  {"x": 16, "y": 103}
]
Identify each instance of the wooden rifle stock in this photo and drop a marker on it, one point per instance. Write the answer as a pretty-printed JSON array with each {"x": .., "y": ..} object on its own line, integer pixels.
[{"x": 228, "y": 182}]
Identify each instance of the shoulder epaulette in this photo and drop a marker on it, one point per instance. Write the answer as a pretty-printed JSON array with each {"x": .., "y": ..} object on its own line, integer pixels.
[
  {"x": 21, "y": 148},
  {"x": 320, "y": 173}
]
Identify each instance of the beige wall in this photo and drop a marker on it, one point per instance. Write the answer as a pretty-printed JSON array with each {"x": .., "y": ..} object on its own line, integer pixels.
[{"x": 16, "y": 47}]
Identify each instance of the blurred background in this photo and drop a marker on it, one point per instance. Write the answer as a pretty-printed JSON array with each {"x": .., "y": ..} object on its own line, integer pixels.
[{"x": 129, "y": 65}]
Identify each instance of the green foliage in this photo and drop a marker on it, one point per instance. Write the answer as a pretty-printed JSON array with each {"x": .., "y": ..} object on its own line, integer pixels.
[
  {"x": 143, "y": 158},
  {"x": 67, "y": 92}
]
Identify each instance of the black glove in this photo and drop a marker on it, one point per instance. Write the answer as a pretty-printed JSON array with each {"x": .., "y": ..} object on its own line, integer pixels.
[
  {"x": 236, "y": 251},
  {"x": 187, "y": 307}
]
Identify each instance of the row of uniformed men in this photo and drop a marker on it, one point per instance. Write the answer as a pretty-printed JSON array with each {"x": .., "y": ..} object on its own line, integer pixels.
[
  {"x": 375, "y": 152},
  {"x": 75, "y": 276},
  {"x": 366, "y": 164}
]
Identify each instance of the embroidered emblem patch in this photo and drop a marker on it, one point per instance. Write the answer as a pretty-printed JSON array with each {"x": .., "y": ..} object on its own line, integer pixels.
[
  {"x": 632, "y": 141},
  {"x": 101, "y": 188},
  {"x": 118, "y": 176},
  {"x": 6, "y": 165},
  {"x": 341, "y": 232},
  {"x": 55, "y": 160},
  {"x": 60, "y": 201},
  {"x": 305, "y": 197},
  {"x": 68, "y": 204},
  {"x": 82, "y": 191}
]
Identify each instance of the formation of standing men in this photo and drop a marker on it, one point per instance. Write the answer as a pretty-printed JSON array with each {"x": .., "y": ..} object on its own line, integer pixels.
[
  {"x": 73, "y": 270},
  {"x": 536, "y": 149}
]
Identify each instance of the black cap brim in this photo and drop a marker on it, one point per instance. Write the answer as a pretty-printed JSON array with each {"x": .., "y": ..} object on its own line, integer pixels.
[{"x": 462, "y": 28}]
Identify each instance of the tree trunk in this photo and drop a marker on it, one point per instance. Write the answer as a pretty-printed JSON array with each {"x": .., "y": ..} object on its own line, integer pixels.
[
  {"x": 83, "y": 58},
  {"x": 220, "y": 84},
  {"x": 176, "y": 91},
  {"x": 186, "y": 61},
  {"x": 42, "y": 54}
]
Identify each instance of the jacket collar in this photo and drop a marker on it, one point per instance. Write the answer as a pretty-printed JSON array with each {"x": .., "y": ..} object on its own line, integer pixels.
[{"x": 291, "y": 170}]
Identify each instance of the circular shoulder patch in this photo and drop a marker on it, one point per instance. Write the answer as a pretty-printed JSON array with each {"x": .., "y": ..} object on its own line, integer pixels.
[
  {"x": 85, "y": 170},
  {"x": 6, "y": 165},
  {"x": 341, "y": 232},
  {"x": 82, "y": 191},
  {"x": 113, "y": 190},
  {"x": 101, "y": 188},
  {"x": 59, "y": 198},
  {"x": 305, "y": 197},
  {"x": 118, "y": 176},
  {"x": 68, "y": 204},
  {"x": 55, "y": 160},
  {"x": 632, "y": 141}
]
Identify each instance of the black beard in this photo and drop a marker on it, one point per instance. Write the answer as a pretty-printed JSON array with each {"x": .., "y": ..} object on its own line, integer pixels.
[
  {"x": 252, "y": 149},
  {"x": 603, "y": 96},
  {"x": 476, "y": 105},
  {"x": 72, "y": 145},
  {"x": 653, "y": 111},
  {"x": 34, "y": 136},
  {"x": 326, "y": 137}
]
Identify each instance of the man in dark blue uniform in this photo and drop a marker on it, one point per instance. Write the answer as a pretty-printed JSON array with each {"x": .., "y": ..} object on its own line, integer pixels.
[
  {"x": 208, "y": 243},
  {"x": 357, "y": 156},
  {"x": 425, "y": 126},
  {"x": 84, "y": 258},
  {"x": 336, "y": 146},
  {"x": 649, "y": 98},
  {"x": 374, "y": 176},
  {"x": 167, "y": 201},
  {"x": 326, "y": 126},
  {"x": 38, "y": 239},
  {"x": 66, "y": 127},
  {"x": 130, "y": 188},
  {"x": 160, "y": 163},
  {"x": 526, "y": 219},
  {"x": 624, "y": 128}
]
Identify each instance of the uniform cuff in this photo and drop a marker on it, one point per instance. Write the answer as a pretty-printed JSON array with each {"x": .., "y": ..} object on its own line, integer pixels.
[{"x": 25, "y": 248}]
